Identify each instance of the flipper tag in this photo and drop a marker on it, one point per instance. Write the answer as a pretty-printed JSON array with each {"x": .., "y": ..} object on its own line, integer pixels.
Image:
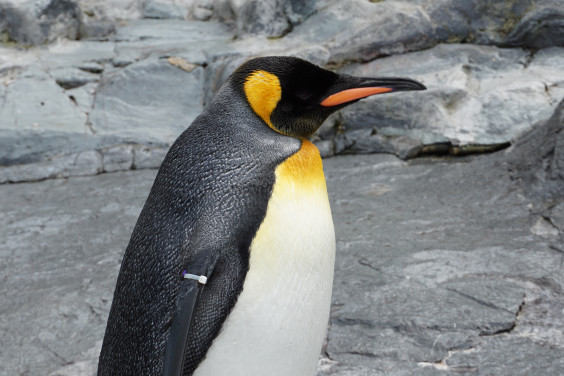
[{"x": 200, "y": 278}]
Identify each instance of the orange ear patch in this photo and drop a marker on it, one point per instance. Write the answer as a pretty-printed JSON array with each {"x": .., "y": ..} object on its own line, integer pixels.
[{"x": 263, "y": 92}]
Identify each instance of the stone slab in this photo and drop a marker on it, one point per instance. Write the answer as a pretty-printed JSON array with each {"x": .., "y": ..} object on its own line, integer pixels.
[{"x": 477, "y": 95}]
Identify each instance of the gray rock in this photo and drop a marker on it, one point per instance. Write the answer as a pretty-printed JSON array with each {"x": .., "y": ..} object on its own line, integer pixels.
[
  {"x": 380, "y": 30},
  {"x": 76, "y": 54},
  {"x": 83, "y": 97},
  {"x": 18, "y": 26},
  {"x": 424, "y": 292},
  {"x": 544, "y": 228},
  {"x": 467, "y": 87},
  {"x": 202, "y": 14},
  {"x": 377, "y": 28},
  {"x": 540, "y": 28},
  {"x": 115, "y": 10},
  {"x": 460, "y": 113},
  {"x": 537, "y": 160},
  {"x": 38, "y": 118},
  {"x": 557, "y": 216},
  {"x": 326, "y": 148},
  {"x": 79, "y": 164},
  {"x": 163, "y": 10},
  {"x": 96, "y": 29},
  {"x": 60, "y": 18},
  {"x": 117, "y": 158},
  {"x": 60, "y": 116},
  {"x": 66, "y": 301},
  {"x": 536, "y": 360},
  {"x": 270, "y": 18},
  {"x": 365, "y": 141},
  {"x": 510, "y": 23},
  {"x": 142, "y": 96},
  {"x": 406, "y": 147},
  {"x": 71, "y": 78},
  {"x": 157, "y": 38},
  {"x": 194, "y": 31},
  {"x": 147, "y": 157},
  {"x": 261, "y": 17},
  {"x": 37, "y": 22}
]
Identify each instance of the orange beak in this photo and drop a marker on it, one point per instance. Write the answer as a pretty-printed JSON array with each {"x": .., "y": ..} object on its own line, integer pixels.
[
  {"x": 371, "y": 86},
  {"x": 353, "y": 94}
]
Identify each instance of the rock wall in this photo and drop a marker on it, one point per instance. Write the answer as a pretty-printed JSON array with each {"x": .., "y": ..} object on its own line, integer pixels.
[
  {"x": 536, "y": 161},
  {"x": 93, "y": 86}
]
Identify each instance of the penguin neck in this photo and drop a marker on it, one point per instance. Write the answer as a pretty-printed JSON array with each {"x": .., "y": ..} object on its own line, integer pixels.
[{"x": 304, "y": 168}]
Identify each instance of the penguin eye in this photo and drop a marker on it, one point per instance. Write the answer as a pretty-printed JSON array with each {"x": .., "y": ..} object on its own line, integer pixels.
[{"x": 303, "y": 95}]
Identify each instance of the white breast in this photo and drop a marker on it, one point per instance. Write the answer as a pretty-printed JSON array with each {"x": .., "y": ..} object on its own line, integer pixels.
[{"x": 278, "y": 324}]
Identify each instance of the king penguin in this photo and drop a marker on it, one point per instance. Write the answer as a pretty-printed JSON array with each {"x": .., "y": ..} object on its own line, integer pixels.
[{"x": 229, "y": 268}]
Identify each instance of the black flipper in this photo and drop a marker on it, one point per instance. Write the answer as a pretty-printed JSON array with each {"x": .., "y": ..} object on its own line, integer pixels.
[{"x": 188, "y": 297}]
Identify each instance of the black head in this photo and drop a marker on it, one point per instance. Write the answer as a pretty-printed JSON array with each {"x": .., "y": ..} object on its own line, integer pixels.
[{"x": 294, "y": 97}]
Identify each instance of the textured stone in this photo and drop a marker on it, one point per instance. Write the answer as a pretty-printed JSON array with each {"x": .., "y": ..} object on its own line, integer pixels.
[
  {"x": 38, "y": 118},
  {"x": 536, "y": 159},
  {"x": 436, "y": 270},
  {"x": 544, "y": 228},
  {"x": 117, "y": 158},
  {"x": 479, "y": 98},
  {"x": 67, "y": 53},
  {"x": 36, "y": 22},
  {"x": 97, "y": 29},
  {"x": 362, "y": 31},
  {"x": 444, "y": 266},
  {"x": 146, "y": 157},
  {"x": 164, "y": 38},
  {"x": 326, "y": 148},
  {"x": 536, "y": 360},
  {"x": 151, "y": 95},
  {"x": 71, "y": 78},
  {"x": 535, "y": 24},
  {"x": 62, "y": 302},
  {"x": 112, "y": 9},
  {"x": 261, "y": 17},
  {"x": 270, "y": 18},
  {"x": 79, "y": 164},
  {"x": 364, "y": 141},
  {"x": 85, "y": 365},
  {"x": 467, "y": 87},
  {"x": 83, "y": 97},
  {"x": 164, "y": 10},
  {"x": 557, "y": 216},
  {"x": 414, "y": 291}
]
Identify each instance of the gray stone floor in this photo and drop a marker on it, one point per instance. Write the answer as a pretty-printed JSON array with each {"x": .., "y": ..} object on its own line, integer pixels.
[{"x": 442, "y": 269}]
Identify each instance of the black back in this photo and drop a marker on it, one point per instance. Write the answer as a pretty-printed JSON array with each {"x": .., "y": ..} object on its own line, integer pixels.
[{"x": 206, "y": 204}]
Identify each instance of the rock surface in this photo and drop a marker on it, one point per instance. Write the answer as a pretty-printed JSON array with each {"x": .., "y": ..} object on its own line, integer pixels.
[
  {"x": 476, "y": 95},
  {"x": 134, "y": 72},
  {"x": 443, "y": 267}
]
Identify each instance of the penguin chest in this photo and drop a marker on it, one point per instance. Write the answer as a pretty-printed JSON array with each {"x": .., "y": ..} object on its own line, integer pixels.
[{"x": 278, "y": 324}]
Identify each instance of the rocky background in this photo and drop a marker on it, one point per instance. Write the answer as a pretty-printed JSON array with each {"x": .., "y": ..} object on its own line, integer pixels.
[{"x": 447, "y": 263}]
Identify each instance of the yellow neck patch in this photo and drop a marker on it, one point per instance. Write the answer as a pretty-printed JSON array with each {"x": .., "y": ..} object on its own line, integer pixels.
[
  {"x": 304, "y": 169},
  {"x": 263, "y": 92}
]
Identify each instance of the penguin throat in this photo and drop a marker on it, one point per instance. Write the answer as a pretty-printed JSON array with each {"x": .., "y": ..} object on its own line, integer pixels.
[{"x": 263, "y": 92}]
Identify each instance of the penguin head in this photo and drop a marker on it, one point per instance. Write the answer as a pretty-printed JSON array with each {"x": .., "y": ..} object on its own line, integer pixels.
[{"x": 294, "y": 96}]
